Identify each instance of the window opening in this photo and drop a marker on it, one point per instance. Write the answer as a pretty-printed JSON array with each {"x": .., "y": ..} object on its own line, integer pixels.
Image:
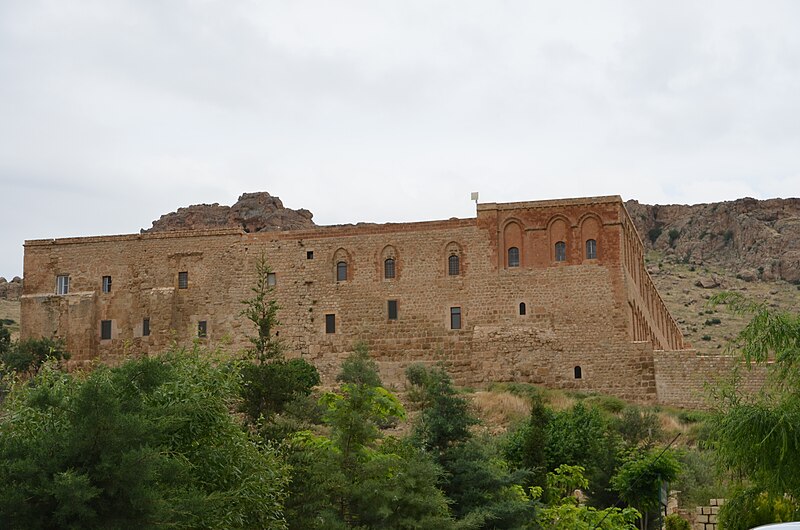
[
  {"x": 561, "y": 251},
  {"x": 453, "y": 265},
  {"x": 513, "y": 257},
  {"x": 309, "y": 254},
  {"x": 106, "y": 284},
  {"x": 183, "y": 280},
  {"x": 578, "y": 374},
  {"x": 455, "y": 318},
  {"x": 330, "y": 323},
  {"x": 591, "y": 249},
  {"x": 341, "y": 271},
  {"x": 202, "y": 329},
  {"x": 105, "y": 329},
  {"x": 146, "y": 327},
  {"x": 388, "y": 268},
  {"x": 392, "y": 309},
  {"x": 62, "y": 284},
  {"x": 522, "y": 309},
  {"x": 271, "y": 279}
]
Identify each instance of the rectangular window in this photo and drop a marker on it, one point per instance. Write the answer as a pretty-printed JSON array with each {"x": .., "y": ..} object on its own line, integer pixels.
[
  {"x": 202, "y": 329},
  {"x": 309, "y": 254},
  {"x": 62, "y": 284},
  {"x": 146, "y": 327},
  {"x": 455, "y": 318},
  {"x": 183, "y": 280},
  {"x": 330, "y": 323},
  {"x": 105, "y": 330},
  {"x": 106, "y": 284},
  {"x": 392, "y": 309},
  {"x": 271, "y": 279}
]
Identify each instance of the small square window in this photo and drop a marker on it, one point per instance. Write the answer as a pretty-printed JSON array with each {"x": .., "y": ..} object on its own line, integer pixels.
[
  {"x": 106, "y": 284},
  {"x": 105, "y": 330},
  {"x": 309, "y": 254},
  {"x": 146, "y": 327},
  {"x": 62, "y": 284},
  {"x": 202, "y": 329},
  {"x": 183, "y": 280},
  {"x": 271, "y": 279},
  {"x": 330, "y": 323},
  {"x": 392, "y": 309},
  {"x": 455, "y": 318}
]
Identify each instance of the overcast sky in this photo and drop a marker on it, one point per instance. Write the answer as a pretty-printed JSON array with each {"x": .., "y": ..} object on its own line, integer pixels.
[{"x": 113, "y": 112}]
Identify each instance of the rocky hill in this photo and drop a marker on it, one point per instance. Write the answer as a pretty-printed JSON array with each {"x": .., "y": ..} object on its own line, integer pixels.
[
  {"x": 10, "y": 290},
  {"x": 754, "y": 239},
  {"x": 253, "y": 212}
]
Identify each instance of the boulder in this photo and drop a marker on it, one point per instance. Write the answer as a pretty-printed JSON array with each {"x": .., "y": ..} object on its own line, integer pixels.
[{"x": 748, "y": 275}]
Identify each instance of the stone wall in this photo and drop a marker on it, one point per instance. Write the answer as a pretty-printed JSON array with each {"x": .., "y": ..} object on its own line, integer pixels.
[{"x": 577, "y": 311}]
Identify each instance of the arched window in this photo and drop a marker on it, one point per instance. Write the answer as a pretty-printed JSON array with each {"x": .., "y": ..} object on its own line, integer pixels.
[
  {"x": 561, "y": 251},
  {"x": 453, "y": 265},
  {"x": 522, "y": 308},
  {"x": 591, "y": 249},
  {"x": 578, "y": 374},
  {"x": 341, "y": 271},
  {"x": 388, "y": 268},
  {"x": 513, "y": 257}
]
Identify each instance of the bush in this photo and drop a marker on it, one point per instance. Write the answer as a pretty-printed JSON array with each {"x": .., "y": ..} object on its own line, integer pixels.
[
  {"x": 611, "y": 404},
  {"x": 676, "y": 522},
  {"x": 713, "y": 322},
  {"x": 690, "y": 416},
  {"x": 706, "y": 337},
  {"x": 673, "y": 235},
  {"x": 653, "y": 234},
  {"x": 268, "y": 388}
]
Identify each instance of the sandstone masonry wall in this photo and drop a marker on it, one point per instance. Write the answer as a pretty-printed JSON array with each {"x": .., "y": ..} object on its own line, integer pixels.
[{"x": 555, "y": 315}]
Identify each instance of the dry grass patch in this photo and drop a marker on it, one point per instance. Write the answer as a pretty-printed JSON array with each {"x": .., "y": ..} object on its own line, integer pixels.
[
  {"x": 10, "y": 310},
  {"x": 498, "y": 410}
]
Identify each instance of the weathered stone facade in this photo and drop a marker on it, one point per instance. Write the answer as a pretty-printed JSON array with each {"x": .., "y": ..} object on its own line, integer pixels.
[{"x": 593, "y": 314}]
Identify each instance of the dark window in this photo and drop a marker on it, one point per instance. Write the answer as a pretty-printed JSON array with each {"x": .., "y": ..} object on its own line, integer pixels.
[
  {"x": 330, "y": 323},
  {"x": 522, "y": 308},
  {"x": 591, "y": 249},
  {"x": 62, "y": 284},
  {"x": 105, "y": 329},
  {"x": 388, "y": 268},
  {"x": 455, "y": 318},
  {"x": 578, "y": 374},
  {"x": 561, "y": 251},
  {"x": 106, "y": 284},
  {"x": 183, "y": 280},
  {"x": 309, "y": 254},
  {"x": 146, "y": 327},
  {"x": 202, "y": 329},
  {"x": 341, "y": 271},
  {"x": 513, "y": 257},
  {"x": 453, "y": 265},
  {"x": 271, "y": 279},
  {"x": 392, "y": 309}
]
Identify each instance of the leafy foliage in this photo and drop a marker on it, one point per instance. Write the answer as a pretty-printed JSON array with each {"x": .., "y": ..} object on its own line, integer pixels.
[
  {"x": 28, "y": 356},
  {"x": 676, "y": 522},
  {"x": 262, "y": 311},
  {"x": 148, "y": 444},
  {"x": 638, "y": 479},
  {"x": 268, "y": 388}
]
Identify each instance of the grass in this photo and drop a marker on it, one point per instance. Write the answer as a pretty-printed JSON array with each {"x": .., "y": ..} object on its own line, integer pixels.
[{"x": 10, "y": 311}]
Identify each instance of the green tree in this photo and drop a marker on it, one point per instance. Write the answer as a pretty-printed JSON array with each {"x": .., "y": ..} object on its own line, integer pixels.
[
  {"x": 638, "y": 480},
  {"x": 262, "y": 310},
  {"x": 149, "y": 444},
  {"x": 357, "y": 478},
  {"x": 483, "y": 490},
  {"x": 563, "y": 512},
  {"x": 268, "y": 388},
  {"x": 526, "y": 446},
  {"x": 757, "y": 434},
  {"x": 27, "y": 356}
]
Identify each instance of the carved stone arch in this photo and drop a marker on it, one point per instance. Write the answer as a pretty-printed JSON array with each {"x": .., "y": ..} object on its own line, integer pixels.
[
  {"x": 558, "y": 232},
  {"x": 591, "y": 230},
  {"x": 389, "y": 263},
  {"x": 454, "y": 262},
  {"x": 513, "y": 243},
  {"x": 342, "y": 256}
]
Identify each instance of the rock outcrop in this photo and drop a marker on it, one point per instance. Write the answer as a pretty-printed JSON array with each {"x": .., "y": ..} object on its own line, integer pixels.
[
  {"x": 759, "y": 238},
  {"x": 10, "y": 290},
  {"x": 253, "y": 212}
]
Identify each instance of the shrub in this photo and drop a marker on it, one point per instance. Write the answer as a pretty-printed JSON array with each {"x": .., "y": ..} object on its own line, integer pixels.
[
  {"x": 611, "y": 404},
  {"x": 676, "y": 522},
  {"x": 653, "y": 234},
  {"x": 713, "y": 322},
  {"x": 673, "y": 235},
  {"x": 728, "y": 236},
  {"x": 706, "y": 337}
]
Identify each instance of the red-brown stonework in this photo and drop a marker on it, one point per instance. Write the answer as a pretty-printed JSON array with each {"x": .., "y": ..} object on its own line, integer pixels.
[{"x": 601, "y": 314}]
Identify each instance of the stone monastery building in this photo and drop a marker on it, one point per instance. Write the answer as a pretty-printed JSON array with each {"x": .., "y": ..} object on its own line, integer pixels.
[{"x": 549, "y": 292}]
